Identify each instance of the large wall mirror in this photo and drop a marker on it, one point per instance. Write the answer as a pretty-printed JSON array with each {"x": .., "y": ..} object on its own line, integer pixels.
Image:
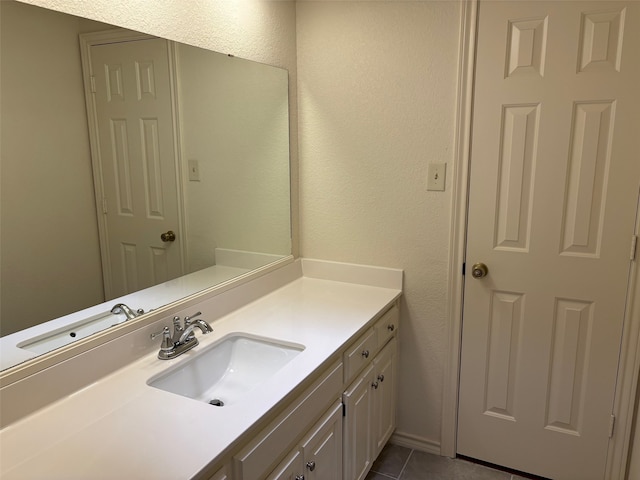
[{"x": 134, "y": 170}]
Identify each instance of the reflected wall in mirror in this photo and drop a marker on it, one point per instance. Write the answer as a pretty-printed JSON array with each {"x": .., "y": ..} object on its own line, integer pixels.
[{"x": 228, "y": 131}]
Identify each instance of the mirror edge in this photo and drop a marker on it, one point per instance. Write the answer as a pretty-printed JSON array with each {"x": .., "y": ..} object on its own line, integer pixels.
[{"x": 32, "y": 366}]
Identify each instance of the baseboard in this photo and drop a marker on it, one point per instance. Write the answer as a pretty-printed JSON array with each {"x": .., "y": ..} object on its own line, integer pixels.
[{"x": 415, "y": 442}]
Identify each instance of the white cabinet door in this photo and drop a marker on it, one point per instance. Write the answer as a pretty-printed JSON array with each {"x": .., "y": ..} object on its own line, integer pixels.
[
  {"x": 220, "y": 474},
  {"x": 358, "y": 432},
  {"x": 370, "y": 413},
  {"x": 322, "y": 448},
  {"x": 384, "y": 397},
  {"x": 291, "y": 468}
]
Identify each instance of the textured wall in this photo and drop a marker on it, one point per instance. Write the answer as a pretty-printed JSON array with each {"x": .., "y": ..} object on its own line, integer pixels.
[
  {"x": 376, "y": 89},
  {"x": 257, "y": 30}
]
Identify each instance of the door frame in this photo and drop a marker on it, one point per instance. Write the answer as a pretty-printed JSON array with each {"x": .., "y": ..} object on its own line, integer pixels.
[
  {"x": 121, "y": 35},
  {"x": 629, "y": 363}
]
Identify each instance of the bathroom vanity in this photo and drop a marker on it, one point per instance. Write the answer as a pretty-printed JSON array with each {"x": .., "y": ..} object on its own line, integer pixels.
[{"x": 310, "y": 351}]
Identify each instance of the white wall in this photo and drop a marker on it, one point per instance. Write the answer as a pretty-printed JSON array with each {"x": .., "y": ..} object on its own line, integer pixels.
[
  {"x": 50, "y": 263},
  {"x": 377, "y": 96}
]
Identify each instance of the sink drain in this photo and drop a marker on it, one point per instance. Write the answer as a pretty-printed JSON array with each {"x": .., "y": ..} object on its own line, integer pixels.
[{"x": 216, "y": 402}]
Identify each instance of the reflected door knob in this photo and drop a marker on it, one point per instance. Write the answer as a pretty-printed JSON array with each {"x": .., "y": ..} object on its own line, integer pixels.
[
  {"x": 168, "y": 236},
  {"x": 479, "y": 270}
]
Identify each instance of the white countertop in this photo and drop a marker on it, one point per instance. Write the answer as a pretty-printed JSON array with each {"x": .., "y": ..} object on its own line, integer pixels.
[{"x": 119, "y": 427}]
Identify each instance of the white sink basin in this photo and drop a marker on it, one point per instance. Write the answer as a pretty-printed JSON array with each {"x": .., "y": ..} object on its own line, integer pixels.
[{"x": 224, "y": 372}]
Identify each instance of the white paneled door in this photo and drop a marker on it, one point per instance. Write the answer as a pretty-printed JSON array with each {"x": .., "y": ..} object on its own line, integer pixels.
[
  {"x": 555, "y": 170},
  {"x": 137, "y": 161}
]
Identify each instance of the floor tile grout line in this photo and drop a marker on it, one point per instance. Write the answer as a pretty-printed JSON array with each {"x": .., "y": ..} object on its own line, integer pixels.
[
  {"x": 405, "y": 465},
  {"x": 390, "y": 476}
]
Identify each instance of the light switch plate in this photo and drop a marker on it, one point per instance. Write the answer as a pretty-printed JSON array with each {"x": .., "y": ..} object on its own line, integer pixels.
[
  {"x": 194, "y": 171},
  {"x": 437, "y": 174}
]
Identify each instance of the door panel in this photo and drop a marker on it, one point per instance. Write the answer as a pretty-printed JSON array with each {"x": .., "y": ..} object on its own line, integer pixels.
[{"x": 554, "y": 185}]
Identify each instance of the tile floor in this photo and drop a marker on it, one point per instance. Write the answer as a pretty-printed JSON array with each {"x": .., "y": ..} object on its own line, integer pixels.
[{"x": 401, "y": 463}]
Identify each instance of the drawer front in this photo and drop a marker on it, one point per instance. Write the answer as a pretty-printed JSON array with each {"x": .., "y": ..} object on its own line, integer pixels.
[
  {"x": 387, "y": 326},
  {"x": 256, "y": 459},
  {"x": 359, "y": 355}
]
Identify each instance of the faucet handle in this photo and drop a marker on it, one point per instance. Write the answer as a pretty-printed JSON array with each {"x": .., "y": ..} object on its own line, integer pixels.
[
  {"x": 167, "y": 341},
  {"x": 188, "y": 319},
  {"x": 176, "y": 324}
]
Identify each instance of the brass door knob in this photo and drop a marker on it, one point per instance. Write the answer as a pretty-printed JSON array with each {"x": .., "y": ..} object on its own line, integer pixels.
[
  {"x": 168, "y": 236},
  {"x": 479, "y": 270}
]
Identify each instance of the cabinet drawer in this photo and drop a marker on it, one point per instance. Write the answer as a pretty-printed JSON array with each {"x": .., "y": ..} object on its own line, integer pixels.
[
  {"x": 259, "y": 457},
  {"x": 289, "y": 468},
  {"x": 387, "y": 326},
  {"x": 360, "y": 354}
]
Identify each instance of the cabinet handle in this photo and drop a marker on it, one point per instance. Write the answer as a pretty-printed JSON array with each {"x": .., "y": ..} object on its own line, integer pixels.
[
  {"x": 375, "y": 385},
  {"x": 381, "y": 377},
  {"x": 311, "y": 466},
  {"x": 365, "y": 353},
  {"x": 391, "y": 327},
  {"x": 299, "y": 477}
]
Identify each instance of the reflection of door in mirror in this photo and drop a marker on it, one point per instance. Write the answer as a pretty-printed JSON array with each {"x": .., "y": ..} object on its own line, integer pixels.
[
  {"x": 229, "y": 116},
  {"x": 135, "y": 167}
]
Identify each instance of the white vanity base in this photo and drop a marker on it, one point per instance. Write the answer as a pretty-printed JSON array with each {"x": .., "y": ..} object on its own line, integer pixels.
[{"x": 120, "y": 427}]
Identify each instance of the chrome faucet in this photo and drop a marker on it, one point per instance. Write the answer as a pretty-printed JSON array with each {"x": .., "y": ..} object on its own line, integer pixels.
[
  {"x": 183, "y": 338},
  {"x": 187, "y": 334},
  {"x": 123, "y": 308}
]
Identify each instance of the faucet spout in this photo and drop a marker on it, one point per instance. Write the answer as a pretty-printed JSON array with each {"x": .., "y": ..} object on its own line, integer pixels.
[
  {"x": 183, "y": 338},
  {"x": 188, "y": 331},
  {"x": 123, "y": 308}
]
